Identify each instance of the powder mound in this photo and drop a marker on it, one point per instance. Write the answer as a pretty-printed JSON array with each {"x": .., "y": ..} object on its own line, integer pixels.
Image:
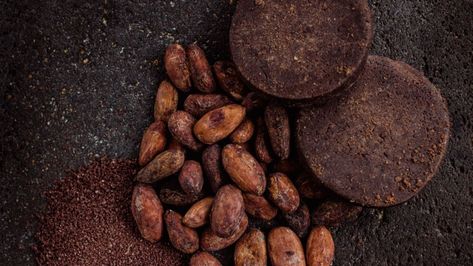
[{"x": 88, "y": 221}]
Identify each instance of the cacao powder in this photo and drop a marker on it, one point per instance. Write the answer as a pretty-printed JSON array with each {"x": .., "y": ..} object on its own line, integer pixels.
[{"x": 87, "y": 221}]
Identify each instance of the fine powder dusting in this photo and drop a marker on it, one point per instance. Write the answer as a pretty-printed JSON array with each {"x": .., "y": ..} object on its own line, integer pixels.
[{"x": 88, "y": 221}]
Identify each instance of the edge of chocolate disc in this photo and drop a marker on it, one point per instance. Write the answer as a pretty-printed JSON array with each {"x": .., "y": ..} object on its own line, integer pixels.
[
  {"x": 308, "y": 88},
  {"x": 382, "y": 141}
]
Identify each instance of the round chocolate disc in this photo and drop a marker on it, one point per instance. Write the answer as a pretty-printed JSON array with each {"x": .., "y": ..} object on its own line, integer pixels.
[
  {"x": 382, "y": 141},
  {"x": 300, "y": 50}
]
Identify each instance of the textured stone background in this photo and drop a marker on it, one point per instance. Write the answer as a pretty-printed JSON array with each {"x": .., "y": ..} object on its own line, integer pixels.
[{"x": 78, "y": 78}]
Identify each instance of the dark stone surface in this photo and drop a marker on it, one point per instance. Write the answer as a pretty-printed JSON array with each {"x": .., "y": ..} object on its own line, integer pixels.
[{"x": 78, "y": 78}]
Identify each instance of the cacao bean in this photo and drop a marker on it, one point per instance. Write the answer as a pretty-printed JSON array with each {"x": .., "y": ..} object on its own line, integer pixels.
[
  {"x": 180, "y": 125},
  {"x": 203, "y": 258},
  {"x": 177, "y": 68},
  {"x": 183, "y": 238},
  {"x": 285, "y": 248},
  {"x": 277, "y": 124},
  {"x": 243, "y": 132},
  {"x": 198, "y": 214},
  {"x": 219, "y": 123},
  {"x": 320, "y": 248},
  {"x": 243, "y": 169},
  {"x": 153, "y": 142},
  {"x": 166, "y": 101},
  {"x": 227, "y": 211},
  {"x": 283, "y": 193},
  {"x": 200, "y": 104},
  {"x": 259, "y": 207},
  {"x": 177, "y": 198},
  {"x": 148, "y": 212},
  {"x": 201, "y": 73},
  {"x": 229, "y": 79},
  {"x": 212, "y": 165},
  {"x": 163, "y": 165},
  {"x": 212, "y": 242},
  {"x": 191, "y": 177},
  {"x": 251, "y": 249}
]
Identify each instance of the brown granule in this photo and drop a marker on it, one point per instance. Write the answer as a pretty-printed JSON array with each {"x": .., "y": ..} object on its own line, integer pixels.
[{"x": 88, "y": 221}]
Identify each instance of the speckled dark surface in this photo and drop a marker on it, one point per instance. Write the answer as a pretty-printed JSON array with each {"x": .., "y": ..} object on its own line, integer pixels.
[{"x": 77, "y": 81}]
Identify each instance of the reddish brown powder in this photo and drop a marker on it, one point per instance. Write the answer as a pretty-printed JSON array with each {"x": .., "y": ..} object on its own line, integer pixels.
[{"x": 88, "y": 221}]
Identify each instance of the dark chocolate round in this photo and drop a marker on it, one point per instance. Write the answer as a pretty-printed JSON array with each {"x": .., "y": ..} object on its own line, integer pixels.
[
  {"x": 300, "y": 50},
  {"x": 382, "y": 141}
]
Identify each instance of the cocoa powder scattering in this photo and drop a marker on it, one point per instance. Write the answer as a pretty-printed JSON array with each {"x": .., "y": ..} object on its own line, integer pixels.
[{"x": 88, "y": 221}]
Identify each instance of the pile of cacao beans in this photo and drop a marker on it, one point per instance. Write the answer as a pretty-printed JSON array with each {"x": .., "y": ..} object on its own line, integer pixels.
[{"x": 221, "y": 159}]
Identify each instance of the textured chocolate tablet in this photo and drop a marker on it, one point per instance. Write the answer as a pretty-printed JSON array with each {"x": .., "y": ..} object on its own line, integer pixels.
[
  {"x": 300, "y": 50},
  {"x": 383, "y": 140}
]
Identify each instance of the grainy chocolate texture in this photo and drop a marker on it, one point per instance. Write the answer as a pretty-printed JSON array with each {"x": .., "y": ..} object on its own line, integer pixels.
[
  {"x": 88, "y": 221},
  {"x": 381, "y": 142},
  {"x": 300, "y": 50}
]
